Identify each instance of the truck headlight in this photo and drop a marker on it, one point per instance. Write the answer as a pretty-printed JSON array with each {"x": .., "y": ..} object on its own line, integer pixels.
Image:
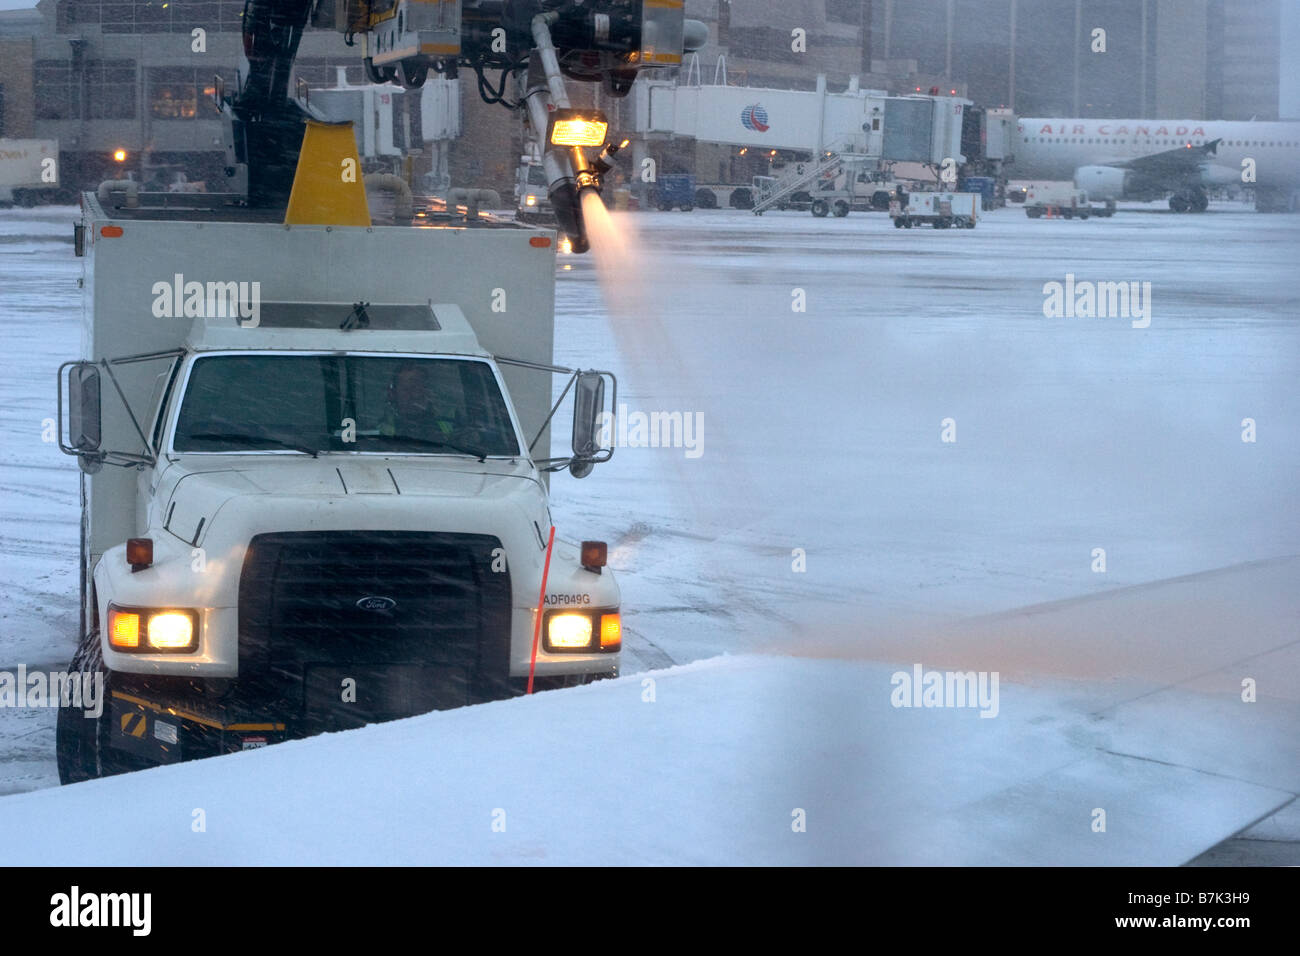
[
  {"x": 568, "y": 632},
  {"x": 583, "y": 631},
  {"x": 142, "y": 630}
]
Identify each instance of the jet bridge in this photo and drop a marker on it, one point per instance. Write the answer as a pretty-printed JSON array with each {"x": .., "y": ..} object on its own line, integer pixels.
[{"x": 866, "y": 125}]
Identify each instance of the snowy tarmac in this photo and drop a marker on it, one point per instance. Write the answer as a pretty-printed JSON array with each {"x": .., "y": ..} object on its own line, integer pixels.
[{"x": 819, "y": 520}]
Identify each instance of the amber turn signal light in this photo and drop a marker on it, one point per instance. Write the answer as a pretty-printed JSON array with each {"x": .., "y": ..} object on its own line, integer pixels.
[
  {"x": 611, "y": 632},
  {"x": 124, "y": 629},
  {"x": 595, "y": 555},
  {"x": 139, "y": 553}
]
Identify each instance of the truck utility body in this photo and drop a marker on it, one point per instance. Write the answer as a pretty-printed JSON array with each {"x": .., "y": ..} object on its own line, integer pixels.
[
  {"x": 1062, "y": 200},
  {"x": 28, "y": 170},
  {"x": 310, "y": 493},
  {"x": 941, "y": 210}
]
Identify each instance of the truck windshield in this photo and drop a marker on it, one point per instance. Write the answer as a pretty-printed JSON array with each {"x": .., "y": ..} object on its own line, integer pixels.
[
  {"x": 344, "y": 403},
  {"x": 536, "y": 176}
]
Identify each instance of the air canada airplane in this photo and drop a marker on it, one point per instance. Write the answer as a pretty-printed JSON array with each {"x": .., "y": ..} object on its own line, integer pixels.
[{"x": 1150, "y": 159}]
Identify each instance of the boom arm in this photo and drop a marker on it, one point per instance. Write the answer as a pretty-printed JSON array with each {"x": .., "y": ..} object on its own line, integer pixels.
[{"x": 607, "y": 41}]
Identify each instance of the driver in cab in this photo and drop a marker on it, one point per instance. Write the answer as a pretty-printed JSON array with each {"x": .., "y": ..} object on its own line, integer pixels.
[{"x": 414, "y": 409}]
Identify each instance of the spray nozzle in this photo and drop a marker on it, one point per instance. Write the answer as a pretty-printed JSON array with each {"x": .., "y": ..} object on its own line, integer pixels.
[
  {"x": 566, "y": 200},
  {"x": 605, "y": 161}
]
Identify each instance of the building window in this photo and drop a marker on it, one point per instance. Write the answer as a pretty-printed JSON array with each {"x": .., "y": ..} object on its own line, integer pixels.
[
  {"x": 183, "y": 92},
  {"x": 844, "y": 11},
  {"x": 110, "y": 89},
  {"x": 150, "y": 16},
  {"x": 58, "y": 95}
]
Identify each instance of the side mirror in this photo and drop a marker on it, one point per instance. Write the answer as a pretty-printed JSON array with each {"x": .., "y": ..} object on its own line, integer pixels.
[
  {"x": 84, "y": 432},
  {"x": 588, "y": 406}
]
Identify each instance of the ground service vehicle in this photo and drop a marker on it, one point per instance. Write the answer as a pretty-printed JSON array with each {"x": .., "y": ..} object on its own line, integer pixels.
[
  {"x": 29, "y": 170},
  {"x": 986, "y": 186},
  {"x": 674, "y": 191},
  {"x": 1062, "y": 200},
  {"x": 940, "y": 210},
  {"x": 315, "y": 449},
  {"x": 531, "y": 201}
]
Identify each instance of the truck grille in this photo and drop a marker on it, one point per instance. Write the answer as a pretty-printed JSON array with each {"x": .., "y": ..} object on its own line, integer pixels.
[{"x": 415, "y": 621}]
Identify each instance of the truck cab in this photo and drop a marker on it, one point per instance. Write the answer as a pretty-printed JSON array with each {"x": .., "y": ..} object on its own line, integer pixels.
[
  {"x": 532, "y": 202},
  {"x": 315, "y": 467}
]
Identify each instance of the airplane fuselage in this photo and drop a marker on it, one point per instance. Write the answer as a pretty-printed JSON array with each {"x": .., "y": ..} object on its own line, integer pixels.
[{"x": 1057, "y": 148}]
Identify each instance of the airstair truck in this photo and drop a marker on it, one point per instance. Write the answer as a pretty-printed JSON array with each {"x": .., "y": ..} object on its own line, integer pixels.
[{"x": 315, "y": 448}]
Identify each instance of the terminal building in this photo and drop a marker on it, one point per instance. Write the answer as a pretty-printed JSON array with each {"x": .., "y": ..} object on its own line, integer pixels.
[{"x": 126, "y": 86}]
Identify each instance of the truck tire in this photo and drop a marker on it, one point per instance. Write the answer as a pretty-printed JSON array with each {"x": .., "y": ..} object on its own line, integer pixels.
[
  {"x": 970, "y": 223},
  {"x": 1033, "y": 212},
  {"x": 820, "y": 209},
  {"x": 81, "y": 744},
  {"x": 841, "y": 209},
  {"x": 706, "y": 199},
  {"x": 665, "y": 206},
  {"x": 685, "y": 207},
  {"x": 76, "y": 738},
  {"x": 741, "y": 199},
  {"x": 907, "y": 223},
  {"x": 898, "y": 222},
  {"x": 1067, "y": 214}
]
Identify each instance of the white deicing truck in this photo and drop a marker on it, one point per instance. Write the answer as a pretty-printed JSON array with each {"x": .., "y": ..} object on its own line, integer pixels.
[
  {"x": 315, "y": 449},
  {"x": 943, "y": 210}
]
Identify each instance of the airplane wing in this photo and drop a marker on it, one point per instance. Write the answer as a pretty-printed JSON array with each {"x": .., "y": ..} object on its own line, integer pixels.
[{"x": 1171, "y": 162}]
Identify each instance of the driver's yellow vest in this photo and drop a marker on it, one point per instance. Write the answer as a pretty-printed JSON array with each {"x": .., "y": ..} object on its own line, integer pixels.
[{"x": 388, "y": 427}]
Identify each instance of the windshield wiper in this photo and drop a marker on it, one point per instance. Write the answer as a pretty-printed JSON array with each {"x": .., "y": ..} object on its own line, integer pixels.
[
  {"x": 431, "y": 443},
  {"x": 255, "y": 440}
]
